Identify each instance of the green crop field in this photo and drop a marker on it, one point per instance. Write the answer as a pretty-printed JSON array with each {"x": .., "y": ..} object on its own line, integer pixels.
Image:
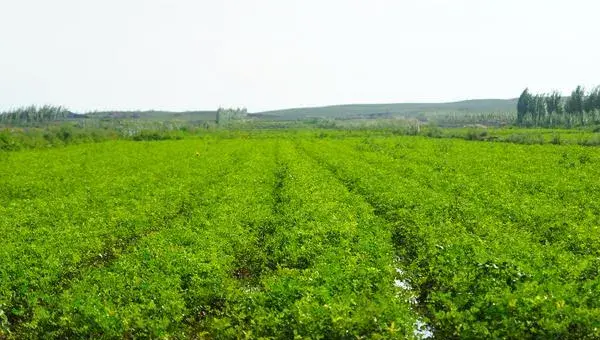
[{"x": 300, "y": 235}]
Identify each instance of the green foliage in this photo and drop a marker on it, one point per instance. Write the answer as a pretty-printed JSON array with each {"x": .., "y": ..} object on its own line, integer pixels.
[
  {"x": 301, "y": 234},
  {"x": 487, "y": 261},
  {"x": 33, "y": 114},
  {"x": 154, "y": 135},
  {"x": 575, "y": 103},
  {"x": 554, "y": 103},
  {"x": 523, "y": 105},
  {"x": 13, "y": 139},
  {"x": 225, "y": 116},
  {"x": 548, "y": 110},
  {"x": 527, "y": 138},
  {"x": 475, "y": 134}
]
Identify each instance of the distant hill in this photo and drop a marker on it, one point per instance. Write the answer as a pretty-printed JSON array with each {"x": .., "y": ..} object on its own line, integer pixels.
[
  {"x": 394, "y": 110},
  {"x": 155, "y": 115},
  {"x": 348, "y": 111}
]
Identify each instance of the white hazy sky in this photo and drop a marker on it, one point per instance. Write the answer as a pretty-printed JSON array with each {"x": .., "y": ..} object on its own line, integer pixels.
[{"x": 268, "y": 54}]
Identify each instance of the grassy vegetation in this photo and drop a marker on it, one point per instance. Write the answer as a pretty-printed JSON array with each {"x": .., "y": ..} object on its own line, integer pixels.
[
  {"x": 500, "y": 239},
  {"x": 302, "y": 233},
  {"x": 67, "y": 133}
]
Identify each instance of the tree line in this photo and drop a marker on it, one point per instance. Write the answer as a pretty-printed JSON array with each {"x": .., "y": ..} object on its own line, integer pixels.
[
  {"x": 552, "y": 109},
  {"x": 226, "y": 115},
  {"x": 34, "y": 114}
]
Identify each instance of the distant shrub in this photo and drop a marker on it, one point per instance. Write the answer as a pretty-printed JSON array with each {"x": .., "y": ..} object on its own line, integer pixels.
[
  {"x": 474, "y": 134},
  {"x": 148, "y": 135},
  {"x": 65, "y": 134},
  {"x": 406, "y": 130},
  {"x": 433, "y": 131},
  {"x": 7, "y": 143},
  {"x": 50, "y": 137},
  {"x": 12, "y": 139},
  {"x": 592, "y": 141},
  {"x": 525, "y": 138}
]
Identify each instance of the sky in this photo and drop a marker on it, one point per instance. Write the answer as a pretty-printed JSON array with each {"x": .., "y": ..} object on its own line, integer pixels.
[{"x": 270, "y": 54}]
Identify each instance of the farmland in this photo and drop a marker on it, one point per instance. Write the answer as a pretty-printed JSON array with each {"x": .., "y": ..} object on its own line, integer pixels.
[{"x": 312, "y": 234}]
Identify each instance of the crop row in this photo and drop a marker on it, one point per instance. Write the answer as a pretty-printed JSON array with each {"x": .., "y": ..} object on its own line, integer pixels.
[
  {"x": 498, "y": 240},
  {"x": 66, "y": 211},
  {"x": 326, "y": 263},
  {"x": 192, "y": 239},
  {"x": 295, "y": 236}
]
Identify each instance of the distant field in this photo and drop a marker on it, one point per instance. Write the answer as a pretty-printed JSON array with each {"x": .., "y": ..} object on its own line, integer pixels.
[{"x": 319, "y": 234}]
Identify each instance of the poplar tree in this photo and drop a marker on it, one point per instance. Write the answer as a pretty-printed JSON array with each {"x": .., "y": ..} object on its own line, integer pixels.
[
  {"x": 523, "y": 106},
  {"x": 575, "y": 104}
]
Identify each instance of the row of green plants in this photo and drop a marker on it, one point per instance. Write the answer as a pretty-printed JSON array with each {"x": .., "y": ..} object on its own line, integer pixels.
[
  {"x": 14, "y": 139},
  {"x": 504, "y": 119},
  {"x": 179, "y": 281},
  {"x": 300, "y": 234},
  {"x": 67, "y": 212},
  {"x": 89, "y": 131},
  {"x": 325, "y": 262},
  {"x": 205, "y": 238},
  {"x": 583, "y": 136},
  {"x": 498, "y": 240}
]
